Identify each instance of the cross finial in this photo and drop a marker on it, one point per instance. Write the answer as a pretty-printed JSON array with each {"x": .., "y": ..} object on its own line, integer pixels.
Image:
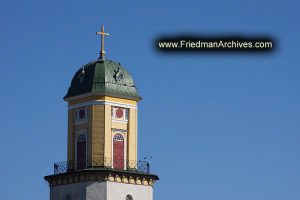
[{"x": 102, "y": 52}]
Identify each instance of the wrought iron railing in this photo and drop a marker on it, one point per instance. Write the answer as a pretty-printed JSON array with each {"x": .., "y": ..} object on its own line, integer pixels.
[{"x": 127, "y": 165}]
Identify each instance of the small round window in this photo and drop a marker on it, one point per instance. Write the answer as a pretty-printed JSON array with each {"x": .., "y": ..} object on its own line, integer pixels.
[{"x": 129, "y": 197}]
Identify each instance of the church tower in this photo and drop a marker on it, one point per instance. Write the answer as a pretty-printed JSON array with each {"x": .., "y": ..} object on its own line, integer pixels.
[{"x": 102, "y": 158}]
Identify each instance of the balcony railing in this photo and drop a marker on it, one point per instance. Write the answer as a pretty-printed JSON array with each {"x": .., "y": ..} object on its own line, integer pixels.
[{"x": 126, "y": 165}]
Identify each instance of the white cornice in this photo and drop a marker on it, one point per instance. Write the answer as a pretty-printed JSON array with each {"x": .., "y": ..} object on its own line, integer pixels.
[
  {"x": 100, "y": 94},
  {"x": 120, "y": 121},
  {"x": 102, "y": 102}
]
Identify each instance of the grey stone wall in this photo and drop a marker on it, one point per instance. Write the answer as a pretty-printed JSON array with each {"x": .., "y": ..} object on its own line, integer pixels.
[{"x": 106, "y": 190}]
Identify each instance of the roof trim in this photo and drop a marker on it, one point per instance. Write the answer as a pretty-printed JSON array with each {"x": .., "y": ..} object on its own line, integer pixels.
[
  {"x": 72, "y": 98},
  {"x": 103, "y": 102}
]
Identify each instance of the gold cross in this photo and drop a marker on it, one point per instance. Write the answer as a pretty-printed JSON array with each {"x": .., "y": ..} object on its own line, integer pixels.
[{"x": 102, "y": 52}]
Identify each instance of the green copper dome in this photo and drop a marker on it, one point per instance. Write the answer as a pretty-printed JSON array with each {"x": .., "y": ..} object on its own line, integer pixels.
[{"x": 103, "y": 77}]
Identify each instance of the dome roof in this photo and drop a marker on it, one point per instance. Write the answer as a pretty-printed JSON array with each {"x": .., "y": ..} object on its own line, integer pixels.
[{"x": 103, "y": 77}]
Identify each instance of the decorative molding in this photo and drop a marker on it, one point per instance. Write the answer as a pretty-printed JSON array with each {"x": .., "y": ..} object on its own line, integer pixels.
[
  {"x": 103, "y": 102},
  {"x": 119, "y": 130},
  {"x": 112, "y": 176},
  {"x": 100, "y": 94},
  {"x": 119, "y": 121}
]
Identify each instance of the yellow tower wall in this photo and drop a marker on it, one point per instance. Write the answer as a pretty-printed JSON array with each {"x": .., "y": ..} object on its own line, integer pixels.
[
  {"x": 132, "y": 135},
  {"x": 108, "y": 134},
  {"x": 97, "y": 134},
  {"x": 100, "y": 128}
]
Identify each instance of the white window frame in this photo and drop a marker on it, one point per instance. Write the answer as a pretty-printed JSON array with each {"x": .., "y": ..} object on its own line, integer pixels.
[
  {"x": 125, "y": 117},
  {"x": 77, "y": 118}
]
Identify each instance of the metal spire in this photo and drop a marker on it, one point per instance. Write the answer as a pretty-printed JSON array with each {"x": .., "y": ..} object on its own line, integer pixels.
[{"x": 102, "y": 33}]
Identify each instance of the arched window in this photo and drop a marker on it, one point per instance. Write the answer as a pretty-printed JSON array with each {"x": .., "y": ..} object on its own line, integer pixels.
[
  {"x": 81, "y": 152},
  {"x": 118, "y": 151}
]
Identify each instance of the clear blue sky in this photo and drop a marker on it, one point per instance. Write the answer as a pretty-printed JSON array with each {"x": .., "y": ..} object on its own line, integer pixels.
[{"x": 217, "y": 126}]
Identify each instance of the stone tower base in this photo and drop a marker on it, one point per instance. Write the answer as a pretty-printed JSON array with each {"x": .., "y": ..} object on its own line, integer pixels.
[
  {"x": 105, "y": 184},
  {"x": 105, "y": 190}
]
